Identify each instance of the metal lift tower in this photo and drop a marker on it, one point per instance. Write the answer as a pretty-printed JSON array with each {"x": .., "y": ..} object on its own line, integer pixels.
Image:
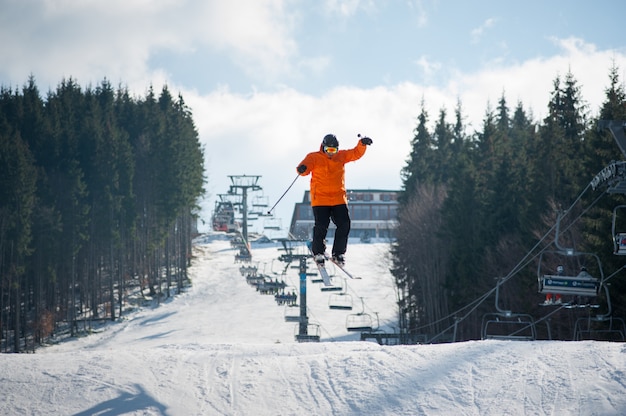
[{"x": 245, "y": 183}]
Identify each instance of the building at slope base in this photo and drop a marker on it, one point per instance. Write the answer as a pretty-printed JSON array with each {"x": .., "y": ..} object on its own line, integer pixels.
[{"x": 373, "y": 213}]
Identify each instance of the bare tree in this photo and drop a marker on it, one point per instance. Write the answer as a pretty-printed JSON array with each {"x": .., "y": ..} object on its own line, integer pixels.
[{"x": 420, "y": 262}]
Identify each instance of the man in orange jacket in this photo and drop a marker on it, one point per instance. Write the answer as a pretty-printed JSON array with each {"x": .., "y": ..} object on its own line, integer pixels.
[{"x": 328, "y": 193}]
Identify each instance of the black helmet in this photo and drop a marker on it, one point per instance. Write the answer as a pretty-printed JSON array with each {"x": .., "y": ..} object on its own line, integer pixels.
[{"x": 330, "y": 140}]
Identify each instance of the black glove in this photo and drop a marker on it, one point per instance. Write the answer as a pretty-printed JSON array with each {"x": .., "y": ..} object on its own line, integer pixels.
[
  {"x": 366, "y": 141},
  {"x": 301, "y": 169}
]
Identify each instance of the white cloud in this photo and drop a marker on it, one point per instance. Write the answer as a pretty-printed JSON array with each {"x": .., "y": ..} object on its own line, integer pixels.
[
  {"x": 315, "y": 65},
  {"x": 477, "y": 33},
  {"x": 261, "y": 132},
  {"x": 256, "y": 33},
  {"x": 269, "y": 133},
  {"x": 429, "y": 68},
  {"x": 344, "y": 8},
  {"x": 90, "y": 40},
  {"x": 531, "y": 81},
  {"x": 422, "y": 15}
]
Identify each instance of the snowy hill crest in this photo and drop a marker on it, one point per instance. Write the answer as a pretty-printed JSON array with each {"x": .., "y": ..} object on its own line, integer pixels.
[{"x": 223, "y": 349}]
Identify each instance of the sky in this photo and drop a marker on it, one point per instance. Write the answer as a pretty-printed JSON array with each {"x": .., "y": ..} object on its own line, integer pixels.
[
  {"x": 267, "y": 79},
  {"x": 221, "y": 348}
]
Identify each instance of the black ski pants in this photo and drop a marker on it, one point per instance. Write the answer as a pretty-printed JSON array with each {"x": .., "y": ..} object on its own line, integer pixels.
[{"x": 341, "y": 218}]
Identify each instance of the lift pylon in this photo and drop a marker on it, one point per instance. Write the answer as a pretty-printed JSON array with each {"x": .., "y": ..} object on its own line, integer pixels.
[{"x": 245, "y": 184}]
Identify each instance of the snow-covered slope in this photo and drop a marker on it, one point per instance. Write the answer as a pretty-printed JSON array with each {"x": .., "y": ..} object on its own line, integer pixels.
[{"x": 221, "y": 348}]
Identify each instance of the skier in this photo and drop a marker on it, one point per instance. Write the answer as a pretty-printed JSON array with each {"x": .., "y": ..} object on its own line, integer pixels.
[{"x": 328, "y": 193}]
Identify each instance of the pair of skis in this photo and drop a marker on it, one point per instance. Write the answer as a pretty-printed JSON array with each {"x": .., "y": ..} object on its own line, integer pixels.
[
  {"x": 326, "y": 276},
  {"x": 324, "y": 272}
]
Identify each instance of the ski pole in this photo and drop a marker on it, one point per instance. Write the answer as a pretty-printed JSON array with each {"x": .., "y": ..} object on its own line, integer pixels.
[{"x": 283, "y": 195}]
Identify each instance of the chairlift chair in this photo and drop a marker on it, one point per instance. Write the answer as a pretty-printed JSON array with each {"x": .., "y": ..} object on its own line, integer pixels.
[
  {"x": 292, "y": 313},
  {"x": 585, "y": 265},
  {"x": 312, "y": 335},
  {"x": 287, "y": 296},
  {"x": 519, "y": 326},
  {"x": 335, "y": 287},
  {"x": 359, "y": 322},
  {"x": 340, "y": 301},
  {"x": 260, "y": 202},
  {"x": 583, "y": 283},
  {"x": 619, "y": 237},
  {"x": 507, "y": 325},
  {"x": 332, "y": 288},
  {"x": 600, "y": 328},
  {"x": 272, "y": 224},
  {"x": 316, "y": 278},
  {"x": 248, "y": 270},
  {"x": 587, "y": 284}
]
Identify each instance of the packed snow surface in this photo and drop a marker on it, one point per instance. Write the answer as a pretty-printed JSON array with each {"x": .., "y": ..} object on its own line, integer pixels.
[{"x": 221, "y": 348}]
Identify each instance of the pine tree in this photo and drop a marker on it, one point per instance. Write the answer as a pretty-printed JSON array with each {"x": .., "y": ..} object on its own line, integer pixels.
[
  {"x": 17, "y": 202},
  {"x": 418, "y": 168},
  {"x": 96, "y": 183},
  {"x": 600, "y": 151},
  {"x": 561, "y": 141}
]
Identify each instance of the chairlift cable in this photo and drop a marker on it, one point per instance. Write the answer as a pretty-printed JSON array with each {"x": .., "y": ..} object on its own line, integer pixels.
[
  {"x": 614, "y": 273},
  {"x": 522, "y": 264},
  {"x": 543, "y": 318},
  {"x": 519, "y": 266},
  {"x": 321, "y": 326}
]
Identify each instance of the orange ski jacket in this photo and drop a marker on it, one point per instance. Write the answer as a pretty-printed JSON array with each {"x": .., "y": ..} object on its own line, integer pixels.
[{"x": 328, "y": 186}]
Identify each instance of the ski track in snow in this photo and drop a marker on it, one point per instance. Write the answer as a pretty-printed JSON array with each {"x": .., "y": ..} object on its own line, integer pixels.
[{"x": 220, "y": 348}]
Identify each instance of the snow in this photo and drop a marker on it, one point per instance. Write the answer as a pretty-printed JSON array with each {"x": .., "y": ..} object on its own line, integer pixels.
[{"x": 221, "y": 348}]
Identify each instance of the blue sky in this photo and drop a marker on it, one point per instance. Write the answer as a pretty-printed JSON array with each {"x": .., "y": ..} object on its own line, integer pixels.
[
  {"x": 267, "y": 79},
  {"x": 387, "y": 42}
]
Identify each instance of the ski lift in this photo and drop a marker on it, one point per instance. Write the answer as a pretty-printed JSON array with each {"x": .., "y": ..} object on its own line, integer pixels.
[
  {"x": 565, "y": 282},
  {"x": 316, "y": 278},
  {"x": 361, "y": 321},
  {"x": 335, "y": 287},
  {"x": 619, "y": 237},
  {"x": 272, "y": 224},
  {"x": 292, "y": 313},
  {"x": 244, "y": 256},
  {"x": 255, "y": 280},
  {"x": 604, "y": 328},
  {"x": 340, "y": 301},
  {"x": 223, "y": 217},
  {"x": 506, "y": 325},
  {"x": 248, "y": 270},
  {"x": 282, "y": 272},
  {"x": 519, "y": 326},
  {"x": 270, "y": 286},
  {"x": 556, "y": 268},
  {"x": 286, "y": 296},
  {"x": 312, "y": 333},
  {"x": 259, "y": 203}
]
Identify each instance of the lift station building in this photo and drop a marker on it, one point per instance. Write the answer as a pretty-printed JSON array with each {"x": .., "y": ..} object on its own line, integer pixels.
[{"x": 373, "y": 213}]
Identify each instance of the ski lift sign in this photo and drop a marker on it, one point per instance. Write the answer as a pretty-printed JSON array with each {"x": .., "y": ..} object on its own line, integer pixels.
[{"x": 608, "y": 174}]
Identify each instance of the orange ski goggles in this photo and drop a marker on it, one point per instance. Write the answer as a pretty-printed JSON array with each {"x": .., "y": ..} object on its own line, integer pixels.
[{"x": 331, "y": 150}]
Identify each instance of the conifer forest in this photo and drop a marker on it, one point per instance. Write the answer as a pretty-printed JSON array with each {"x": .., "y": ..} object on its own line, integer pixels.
[
  {"x": 98, "y": 195},
  {"x": 480, "y": 210}
]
